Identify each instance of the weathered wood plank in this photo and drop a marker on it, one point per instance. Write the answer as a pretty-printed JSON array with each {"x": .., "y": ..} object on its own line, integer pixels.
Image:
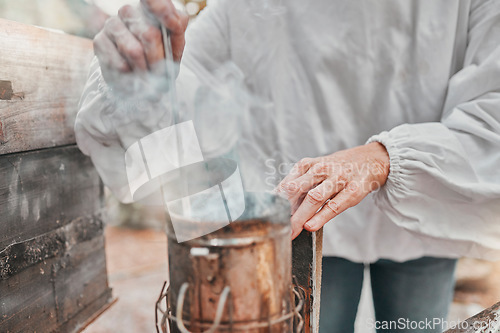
[
  {"x": 62, "y": 291},
  {"x": 52, "y": 263},
  {"x": 307, "y": 251},
  {"x": 41, "y": 191},
  {"x": 42, "y": 75},
  {"x": 19, "y": 256},
  {"x": 487, "y": 321},
  {"x": 27, "y": 298},
  {"x": 83, "y": 318},
  {"x": 80, "y": 278}
]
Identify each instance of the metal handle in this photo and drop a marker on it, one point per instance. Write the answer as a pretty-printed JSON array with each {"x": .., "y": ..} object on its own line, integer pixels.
[
  {"x": 163, "y": 322},
  {"x": 295, "y": 313},
  {"x": 170, "y": 69},
  {"x": 218, "y": 315}
]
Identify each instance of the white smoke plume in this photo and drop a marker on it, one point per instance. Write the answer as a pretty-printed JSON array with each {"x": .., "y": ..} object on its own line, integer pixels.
[{"x": 222, "y": 97}]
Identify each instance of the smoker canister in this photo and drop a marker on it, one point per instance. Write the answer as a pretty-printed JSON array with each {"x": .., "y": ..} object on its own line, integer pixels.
[{"x": 238, "y": 278}]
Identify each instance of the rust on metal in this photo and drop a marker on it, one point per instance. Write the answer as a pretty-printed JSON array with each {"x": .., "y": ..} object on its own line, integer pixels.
[{"x": 257, "y": 271}]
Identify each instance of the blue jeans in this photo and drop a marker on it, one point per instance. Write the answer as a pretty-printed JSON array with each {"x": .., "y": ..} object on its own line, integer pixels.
[{"x": 404, "y": 294}]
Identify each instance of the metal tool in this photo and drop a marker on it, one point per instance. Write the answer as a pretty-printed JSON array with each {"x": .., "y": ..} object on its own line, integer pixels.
[
  {"x": 170, "y": 69},
  {"x": 236, "y": 279}
]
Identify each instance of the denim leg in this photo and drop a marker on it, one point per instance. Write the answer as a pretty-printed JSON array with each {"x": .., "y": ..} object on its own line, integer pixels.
[
  {"x": 340, "y": 292},
  {"x": 416, "y": 290}
]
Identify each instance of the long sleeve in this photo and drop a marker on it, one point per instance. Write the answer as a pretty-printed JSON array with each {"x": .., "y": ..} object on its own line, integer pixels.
[
  {"x": 96, "y": 136},
  {"x": 444, "y": 178},
  {"x": 107, "y": 124}
]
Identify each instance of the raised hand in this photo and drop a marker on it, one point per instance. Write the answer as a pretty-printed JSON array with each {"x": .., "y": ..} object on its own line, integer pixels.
[{"x": 132, "y": 43}]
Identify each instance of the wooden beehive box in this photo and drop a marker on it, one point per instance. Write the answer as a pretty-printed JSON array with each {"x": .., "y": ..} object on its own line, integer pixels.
[{"x": 52, "y": 262}]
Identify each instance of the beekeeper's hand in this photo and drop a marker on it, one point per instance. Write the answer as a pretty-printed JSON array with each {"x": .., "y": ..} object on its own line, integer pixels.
[
  {"x": 132, "y": 41},
  {"x": 321, "y": 188}
]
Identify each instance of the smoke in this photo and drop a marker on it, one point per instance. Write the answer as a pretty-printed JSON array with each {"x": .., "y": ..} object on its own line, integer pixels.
[
  {"x": 236, "y": 100},
  {"x": 234, "y": 96}
]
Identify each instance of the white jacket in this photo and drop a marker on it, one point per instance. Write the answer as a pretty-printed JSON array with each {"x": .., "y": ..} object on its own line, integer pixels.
[{"x": 271, "y": 82}]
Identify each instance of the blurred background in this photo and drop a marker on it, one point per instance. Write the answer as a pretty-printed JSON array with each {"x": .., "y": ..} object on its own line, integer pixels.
[{"x": 135, "y": 241}]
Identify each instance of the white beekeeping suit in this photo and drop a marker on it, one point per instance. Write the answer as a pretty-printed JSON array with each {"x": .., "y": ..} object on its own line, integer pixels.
[{"x": 308, "y": 79}]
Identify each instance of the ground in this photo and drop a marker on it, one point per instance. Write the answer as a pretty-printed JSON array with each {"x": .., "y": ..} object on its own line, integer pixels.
[{"x": 137, "y": 268}]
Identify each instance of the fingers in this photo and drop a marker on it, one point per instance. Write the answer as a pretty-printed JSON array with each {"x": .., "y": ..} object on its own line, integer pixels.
[
  {"x": 298, "y": 189},
  {"x": 350, "y": 196},
  {"x": 110, "y": 59},
  {"x": 313, "y": 196},
  {"x": 296, "y": 232},
  {"x": 177, "y": 39},
  {"x": 320, "y": 189},
  {"x": 315, "y": 175},
  {"x": 164, "y": 11},
  {"x": 298, "y": 170},
  {"x": 313, "y": 201},
  {"x": 126, "y": 43},
  {"x": 133, "y": 42},
  {"x": 146, "y": 33}
]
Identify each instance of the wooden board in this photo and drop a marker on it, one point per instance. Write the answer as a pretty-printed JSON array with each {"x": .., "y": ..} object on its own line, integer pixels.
[
  {"x": 42, "y": 75},
  {"x": 80, "y": 277},
  {"x": 487, "y": 321},
  {"x": 60, "y": 291},
  {"x": 307, "y": 250},
  {"x": 43, "y": 190},
  {"x": 52, "y": 261},
  {"x": 28, "y": 297}
]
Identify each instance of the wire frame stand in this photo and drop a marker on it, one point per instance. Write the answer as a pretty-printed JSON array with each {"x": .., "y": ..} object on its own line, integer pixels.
[{"x": 164, "y": 315}]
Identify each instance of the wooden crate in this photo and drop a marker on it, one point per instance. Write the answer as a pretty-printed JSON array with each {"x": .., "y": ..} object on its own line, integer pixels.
[{"x": 52, "y": 262}]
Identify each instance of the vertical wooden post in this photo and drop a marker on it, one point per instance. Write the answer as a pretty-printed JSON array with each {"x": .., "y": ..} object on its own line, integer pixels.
[{"x": 307, "y": 250}]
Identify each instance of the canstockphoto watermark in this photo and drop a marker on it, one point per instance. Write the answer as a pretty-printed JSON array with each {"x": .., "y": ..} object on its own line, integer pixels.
[{"x": 427, "y": 324}]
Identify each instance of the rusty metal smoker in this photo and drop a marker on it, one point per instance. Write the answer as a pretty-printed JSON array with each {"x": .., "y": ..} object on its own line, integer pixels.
[{"x": 237, "y": 279}]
